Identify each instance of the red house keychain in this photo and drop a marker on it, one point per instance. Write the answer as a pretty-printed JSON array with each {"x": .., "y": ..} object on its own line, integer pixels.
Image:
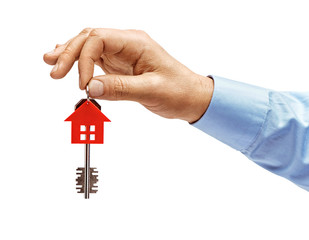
[{"x": 87, "y": 127}]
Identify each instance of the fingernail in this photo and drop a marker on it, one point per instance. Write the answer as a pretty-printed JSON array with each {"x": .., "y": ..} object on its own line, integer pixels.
[
  {"x": 95, "y": 88},
  {"x": 55, "y": 68}
]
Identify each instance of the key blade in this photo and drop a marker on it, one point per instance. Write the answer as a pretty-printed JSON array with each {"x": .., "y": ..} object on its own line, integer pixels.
[{"x": 80, "y": 180}]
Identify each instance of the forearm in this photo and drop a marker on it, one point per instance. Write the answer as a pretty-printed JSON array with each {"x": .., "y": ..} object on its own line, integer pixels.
[
  {"x": 235, "y": 114},
  {"x": 269, "y": 127}
]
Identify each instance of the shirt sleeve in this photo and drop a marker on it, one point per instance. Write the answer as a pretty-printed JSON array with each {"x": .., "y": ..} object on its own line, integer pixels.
[{"x": 268, "y": 127}]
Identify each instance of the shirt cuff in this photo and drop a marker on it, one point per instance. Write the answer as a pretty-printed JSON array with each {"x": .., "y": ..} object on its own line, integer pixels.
[{"x": 235, "y": 114}]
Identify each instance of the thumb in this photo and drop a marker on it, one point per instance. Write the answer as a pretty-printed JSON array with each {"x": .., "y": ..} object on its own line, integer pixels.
[{"x": 121, "y": 87}]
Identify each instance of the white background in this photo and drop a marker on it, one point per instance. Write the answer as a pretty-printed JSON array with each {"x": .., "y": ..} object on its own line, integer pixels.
[{"x": 159, "y": 178}]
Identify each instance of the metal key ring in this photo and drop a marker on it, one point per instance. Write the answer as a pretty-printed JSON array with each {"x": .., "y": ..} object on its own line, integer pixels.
[{"x": 87, "y": 92}]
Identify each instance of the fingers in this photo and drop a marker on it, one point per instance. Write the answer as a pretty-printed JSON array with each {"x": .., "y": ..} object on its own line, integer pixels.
[
  {"x": 107, "y": 41},
  {"x": 52, "y": 56},
  {"x": 69, "y": 55},
  {"x": 89, "y": 46},
  {"x": 122, "y": 87},
  {"x": 90, "y": 54},
  {"x": 64, "y": 55}
]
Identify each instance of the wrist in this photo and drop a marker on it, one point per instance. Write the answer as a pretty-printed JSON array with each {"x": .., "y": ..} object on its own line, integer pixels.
[{"x": 202, "y": 97}]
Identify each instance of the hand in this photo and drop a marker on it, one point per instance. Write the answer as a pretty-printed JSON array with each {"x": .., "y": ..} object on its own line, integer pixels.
[{"x": 136, "y": 68}]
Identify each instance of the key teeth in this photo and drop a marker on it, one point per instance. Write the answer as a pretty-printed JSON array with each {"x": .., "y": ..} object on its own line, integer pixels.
[
  {"x": 79, "y": 190},
  {"x": 80, "y": 180},
  {"x": 93, "y": 180}
]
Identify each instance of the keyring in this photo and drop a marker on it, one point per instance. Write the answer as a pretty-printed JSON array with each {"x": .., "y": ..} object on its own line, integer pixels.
[{"x": 87, "y": 92}]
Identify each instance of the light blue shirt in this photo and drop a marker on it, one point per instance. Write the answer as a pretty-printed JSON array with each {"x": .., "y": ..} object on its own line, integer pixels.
[{"x": 271, "y": 128}]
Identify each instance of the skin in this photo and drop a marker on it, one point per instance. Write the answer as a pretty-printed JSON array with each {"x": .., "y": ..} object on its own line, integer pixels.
[{"x": 136, "y": 68}]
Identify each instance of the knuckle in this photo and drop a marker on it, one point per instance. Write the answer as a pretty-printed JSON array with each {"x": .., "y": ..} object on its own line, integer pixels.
[
  {"x": 141, "y": 38},
  {"x": 68, "y": 49},
  {"x": 120, "y": 88},
  {"x": 142, "y": 33},
  {"x": 67, "y": 53},
  {"x": 93, "y": 32},
  {"x": 86, "y": 31},
  {"x": 137, "y": 31}
]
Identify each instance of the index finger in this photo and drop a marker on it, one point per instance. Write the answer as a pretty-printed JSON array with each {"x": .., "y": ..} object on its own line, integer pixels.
[
  {"x": 102, "y": 41},
  {"x": 91, "y": 52},
  {"x": 70, "y": 54}
]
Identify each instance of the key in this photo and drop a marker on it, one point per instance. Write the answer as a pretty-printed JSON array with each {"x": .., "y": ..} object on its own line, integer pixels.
[
  {"x": 87, "y": 128},
  {"x": 87, "y": 177},
  {"x": 84, "y": 184}
]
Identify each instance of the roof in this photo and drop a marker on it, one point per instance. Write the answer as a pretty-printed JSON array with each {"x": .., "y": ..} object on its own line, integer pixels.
[
  {"x": 87, "y": 111},
  {"x": 84, "y": 100}
]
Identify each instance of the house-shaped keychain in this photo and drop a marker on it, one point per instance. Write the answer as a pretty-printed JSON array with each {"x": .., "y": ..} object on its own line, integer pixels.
[
  {"x": 87, "y": 122},
  {"x": 87, "y": 127}
]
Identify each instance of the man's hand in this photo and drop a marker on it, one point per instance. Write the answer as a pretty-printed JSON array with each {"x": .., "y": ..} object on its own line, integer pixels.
[{"x": 137, "y": 69}]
